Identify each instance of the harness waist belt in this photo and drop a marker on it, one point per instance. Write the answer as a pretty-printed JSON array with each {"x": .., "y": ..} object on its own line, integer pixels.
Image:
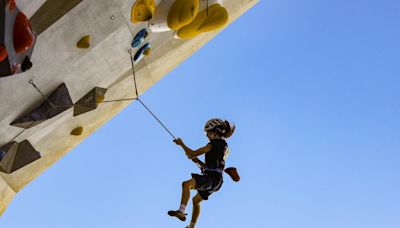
[{"x": 214, "y": 170}]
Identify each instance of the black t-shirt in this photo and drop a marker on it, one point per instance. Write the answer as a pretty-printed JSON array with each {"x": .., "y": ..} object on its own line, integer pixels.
[{"x": 215, "y": 158}]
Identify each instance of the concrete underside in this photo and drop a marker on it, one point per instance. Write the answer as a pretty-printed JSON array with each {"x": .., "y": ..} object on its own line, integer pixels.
[{"x": 106, "y": 64}]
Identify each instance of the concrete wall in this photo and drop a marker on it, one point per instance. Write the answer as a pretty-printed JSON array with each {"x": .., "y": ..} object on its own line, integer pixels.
[
  {"x": 29, "y": 7},
  {"x": 106, "y": 64}
]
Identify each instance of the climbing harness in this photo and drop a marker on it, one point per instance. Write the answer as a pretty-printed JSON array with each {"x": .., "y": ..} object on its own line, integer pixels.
[{"x": 214, "y": 170}]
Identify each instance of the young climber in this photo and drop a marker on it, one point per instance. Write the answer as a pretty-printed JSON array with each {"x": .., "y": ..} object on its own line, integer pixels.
[{"x": 216, "y": 152}]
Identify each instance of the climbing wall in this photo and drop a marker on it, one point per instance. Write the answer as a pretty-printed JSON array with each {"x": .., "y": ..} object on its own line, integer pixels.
[{"x": 87, "y": 51}]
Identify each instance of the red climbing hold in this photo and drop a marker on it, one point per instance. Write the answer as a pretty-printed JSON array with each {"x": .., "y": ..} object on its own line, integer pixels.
[
  {"x": 11, "y": 4},
  {"x": 23, "y": 33},
  {"x": 3, "y": 53}
]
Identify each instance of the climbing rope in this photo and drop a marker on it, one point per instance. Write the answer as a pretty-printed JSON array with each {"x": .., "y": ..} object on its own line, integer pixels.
[
  {"x": 44, "y": 96},
  {"x": 156, "y": 118},
  {"x": 105, "y": 101},
  {"x": 207, "y": 7},
  {"x": 133, "y": 72},
  {"x": 137, "y": 95}
]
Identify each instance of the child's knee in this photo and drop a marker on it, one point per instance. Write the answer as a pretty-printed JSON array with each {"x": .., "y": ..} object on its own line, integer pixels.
[
  {"x": 186, "y": 184},
  {"x": 191, "y": 184},
  {"x": 196, "y": 200}
]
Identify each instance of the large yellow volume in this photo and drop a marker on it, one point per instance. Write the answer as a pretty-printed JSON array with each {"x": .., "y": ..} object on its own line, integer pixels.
[
  {"x": 217, "y": 17},
  {"x": 182, "y": 13},
  {"x": 143, "y": 10}
]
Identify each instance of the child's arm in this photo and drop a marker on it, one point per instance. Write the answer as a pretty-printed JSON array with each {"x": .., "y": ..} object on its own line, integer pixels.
[
  {"x": 199, "y": 162},
  {"x": 192, "y": 153}
]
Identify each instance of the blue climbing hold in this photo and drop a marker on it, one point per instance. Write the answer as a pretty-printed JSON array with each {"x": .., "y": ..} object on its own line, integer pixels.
[
  {"x": 144, "y": 50},
  {"x": 139, "y": 38}
]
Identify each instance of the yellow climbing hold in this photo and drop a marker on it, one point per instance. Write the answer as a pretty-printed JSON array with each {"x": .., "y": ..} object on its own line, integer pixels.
[
  {"x": 84, "y": 42},
  {"x": 142, "y": 10},
  {"x": 147, "y": 51},
  {"x": 77, "y": 131},
  {"x": 217, "y": 18},
  {"x": 100, "y": 98},
  {"x": 182, "y": 13}
]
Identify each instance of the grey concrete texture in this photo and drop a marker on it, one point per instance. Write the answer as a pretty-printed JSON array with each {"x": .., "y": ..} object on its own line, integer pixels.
[
  {"x": 105, "y": 64},
  {"x": 29, "y": 7}
]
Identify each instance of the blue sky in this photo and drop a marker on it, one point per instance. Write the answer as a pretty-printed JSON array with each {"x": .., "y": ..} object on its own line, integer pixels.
[{"x": 313, "y": 87}]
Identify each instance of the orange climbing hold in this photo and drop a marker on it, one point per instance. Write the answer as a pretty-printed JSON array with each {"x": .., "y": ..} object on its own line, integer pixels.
[
  {"x": 84, "y": 42},
  {"x": 3, "y": 53},
  {"x": 24, "y": 36}
]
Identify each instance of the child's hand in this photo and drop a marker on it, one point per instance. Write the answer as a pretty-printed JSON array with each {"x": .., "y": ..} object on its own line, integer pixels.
[{"x": 178, "y": 141}]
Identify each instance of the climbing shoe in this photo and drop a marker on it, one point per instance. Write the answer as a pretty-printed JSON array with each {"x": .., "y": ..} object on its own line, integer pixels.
[{"x": 181, "y": 216}]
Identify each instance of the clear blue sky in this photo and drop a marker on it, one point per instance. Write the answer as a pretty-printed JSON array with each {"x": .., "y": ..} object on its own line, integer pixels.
[{"x": 313, "y": 87}]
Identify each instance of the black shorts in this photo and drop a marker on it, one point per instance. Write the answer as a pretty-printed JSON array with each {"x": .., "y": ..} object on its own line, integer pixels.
[{"x": 207, "y": 183}]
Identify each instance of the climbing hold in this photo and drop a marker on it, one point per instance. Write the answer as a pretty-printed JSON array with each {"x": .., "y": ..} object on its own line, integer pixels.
[
  {"x": 141, "y": 52},
  {"x": 24, "y": 36},
  {"x": 217, "y": 18},
  {"x": 142, "y": 10},
  {"x": 26, "y": 64},
  {"x": 139, "y": 38},
  {"x": 100, "y": 98},
  {"x": 3, "y": 53},
  {"x": 182, "y": 13},
  {"x": 58, "y": 102},
  {"x": 90, "y": 101},
  {"x": 84, "y": 42},
  {"x": 77, "y": 131},
  {"x": 159, "y": 21},
  {"x": 147, "y": 51},
  {"x": 17, "y": 155}
]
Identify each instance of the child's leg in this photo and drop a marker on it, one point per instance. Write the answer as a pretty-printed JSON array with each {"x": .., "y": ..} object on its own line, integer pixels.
[
  {"x": 196, "y": 209},
  {"x": 186, "y": 186}
]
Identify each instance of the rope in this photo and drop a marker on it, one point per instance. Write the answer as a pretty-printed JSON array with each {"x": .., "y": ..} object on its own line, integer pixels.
[
  {"x": 137, "y": 95},
  {"x": 133, "y": 73},
  {"x": 44, "y": 96},
  {"x": 106, "y": 101},
  {"x": 34, "y": 122},
  {"x": 207, "y": 7},
  {"x": 156, "y": 118}
]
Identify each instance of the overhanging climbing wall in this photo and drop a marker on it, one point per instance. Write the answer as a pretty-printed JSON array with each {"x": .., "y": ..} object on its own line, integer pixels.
[{"x": 104, "y": 63}]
